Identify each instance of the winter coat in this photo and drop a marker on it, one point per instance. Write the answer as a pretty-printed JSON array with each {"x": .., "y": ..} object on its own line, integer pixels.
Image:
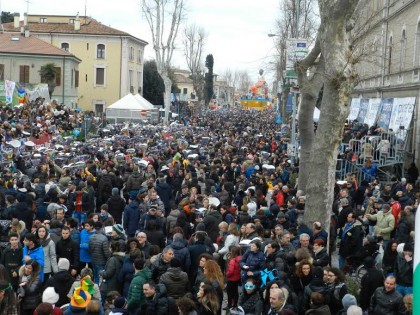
[
  {"x": 251, "y": 303},
  {"x": 196, "y": 250},
  {"x": 254, "y": 260},
  {"x": 321, "y": 258},
  {"x": 62, "y": 282},
  {"x": 12, "y": 260},
  {"x": 182, "y": 254},
  {"x": 171, "y": 220},
  {"x": 230, "y": 241},
  {"x": 371, "y": 280},
  {"x": 164, "y": 192},
  {"x": 385, "y": 223},
  {"x": 176, "y": 282},
  {"x": 233, "y": 270},
  {"x": 23, "y": 212},
  {"x": 133, "y": 182},
  {"x": 68, "y": 249},
  {"x": 98, "y": 248},
  {"x": 403, "y": 271},
  {"x": 158, "y": 268},
  {"x": 212, "y": 221},
  {"x": 32, "y": 293},
  {"x": 318, "y": 310},
  {"x": 126, "y": 274},
  {"x": 85, "y": 256},
  {"x": 74, "y": 311},
  {"x": 145, "y": 249},
  {"x": 144, "y": 222},
  {"x": 316, "y": 285},
  {"x": 131, "y": 218},
  {"x": 36, "y": 253},
  {"x": 116, "y": 206},
  {"x": 50, "y": 257},
  {"x": 156, "y": 237},
  {"x": 275, "y": 261},
  {"x": 135, "y": 296},
  {"x": 352, "y": 240},
  {"x": 337, "y": 292},
  {"x": 386, "y": 303},
  {"x": 156, "y": 305},
  {"x": 110, "y": 274}
]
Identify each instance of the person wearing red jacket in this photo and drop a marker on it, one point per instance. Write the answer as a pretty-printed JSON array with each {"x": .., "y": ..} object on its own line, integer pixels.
[
  {"x": 395, "y": 210},
  {"x": 233, "y": 276}
]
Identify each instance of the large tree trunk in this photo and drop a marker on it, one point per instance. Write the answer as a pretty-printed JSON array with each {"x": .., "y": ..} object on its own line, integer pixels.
[
  {"x": 167, "y": 97},
  {"x": 339, "y": 81}
]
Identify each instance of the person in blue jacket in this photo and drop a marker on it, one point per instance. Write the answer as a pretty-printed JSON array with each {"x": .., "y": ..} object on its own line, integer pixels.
[
  {"x": 33, "y": 250},
  {"x": 252, "y": 261},
  {"x": 85, "y": 234},
  {"x": 132, "y": 213}
]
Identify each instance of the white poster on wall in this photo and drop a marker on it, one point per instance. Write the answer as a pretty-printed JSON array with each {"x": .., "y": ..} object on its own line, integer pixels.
[
  {"x": 354, "y": 109},
  {"x": 402, "y": 113},
  {"x": 372, "y": 112}
]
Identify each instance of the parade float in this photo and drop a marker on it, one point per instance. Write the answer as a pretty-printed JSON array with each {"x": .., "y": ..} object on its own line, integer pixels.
[{"x": 257, "y": 96}]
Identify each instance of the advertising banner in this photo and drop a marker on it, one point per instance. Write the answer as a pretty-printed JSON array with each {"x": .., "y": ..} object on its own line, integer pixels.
[
  {"x": 354, "y": 109},
  {"x": 373, "y": 110},
  {"x": 364, "y": 105},
  {"x": 402, "y": 113},
  {"x": 385, "y": 113}
]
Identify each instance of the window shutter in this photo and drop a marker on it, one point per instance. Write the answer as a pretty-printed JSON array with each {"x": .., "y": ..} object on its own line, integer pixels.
[{"x": 57, "y": 76}]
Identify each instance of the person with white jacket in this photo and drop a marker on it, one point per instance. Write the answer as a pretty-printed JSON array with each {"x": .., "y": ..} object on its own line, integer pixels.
[{"x": 232, "y": 239}]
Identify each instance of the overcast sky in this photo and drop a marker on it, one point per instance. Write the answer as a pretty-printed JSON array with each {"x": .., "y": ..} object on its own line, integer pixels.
[{"x": 237, "y": 29}]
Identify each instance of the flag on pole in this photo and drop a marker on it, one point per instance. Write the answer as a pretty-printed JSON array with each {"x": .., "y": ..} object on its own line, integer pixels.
[{"x": 416, "y": 282}]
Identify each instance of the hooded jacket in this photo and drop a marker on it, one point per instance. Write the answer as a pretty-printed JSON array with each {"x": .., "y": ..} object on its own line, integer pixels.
[
  {"x": 182, "y": 254},
  {"x": 176, "y": 282},
  {"x": 135, "y": 297},
  {"x": 36, "y": 253},
  {"x": 110, "y": 274},
  {"x": 50, "y": 257},
  {"x": 212, "y": 221},
  {"x": 131, "y": 217}
]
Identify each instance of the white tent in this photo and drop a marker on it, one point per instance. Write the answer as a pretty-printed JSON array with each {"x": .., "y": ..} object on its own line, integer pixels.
[{"x": 131, "y": 108}]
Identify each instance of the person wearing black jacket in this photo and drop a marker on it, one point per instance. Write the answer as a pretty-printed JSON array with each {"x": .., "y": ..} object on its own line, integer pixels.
[
  {"x": 211, "y": 221},
  {"x": 11, "y": 258},
  {"x": 351, "y": 236},
  {"x": 67, "y": 248},
  {"x": 372, "y": 280},
  {"x": 61, "y": 281},
  {"x": 116, "y": 205}
]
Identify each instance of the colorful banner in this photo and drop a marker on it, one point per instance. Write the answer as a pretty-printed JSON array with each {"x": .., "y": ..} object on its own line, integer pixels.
[
  {"x": 372, "y": 113},
  {"x": 402, "y": 114},
  {"x": 364, "y": 105},
  {"x": 9, "y": 87},
  {"x": 385, "y": 113},
  {"x": 354, "y": 109}
]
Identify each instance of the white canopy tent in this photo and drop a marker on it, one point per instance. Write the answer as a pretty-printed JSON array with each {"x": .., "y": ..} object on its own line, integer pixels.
[{"x": 131, "y": 108}]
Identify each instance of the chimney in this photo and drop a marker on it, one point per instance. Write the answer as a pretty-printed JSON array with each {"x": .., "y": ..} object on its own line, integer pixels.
[
  {"x": 16, "y": 18},
  {"x": 25, "y": 19},
  {"x": 77, "y": 23},
  {"x": 26, "y": 31}
]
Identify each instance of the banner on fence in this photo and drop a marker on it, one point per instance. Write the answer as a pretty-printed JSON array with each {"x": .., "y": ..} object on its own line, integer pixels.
[
  {"x": 372, "y": 112},
  {"x": 364, "y": 104},
  {"x": 354, "y": 109},
  {"x": 385, "y": 113}
]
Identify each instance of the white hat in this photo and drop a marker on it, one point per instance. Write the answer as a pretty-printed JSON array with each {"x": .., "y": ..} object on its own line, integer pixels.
[
  {"x": 29, "y": 144},
  {"x": 63, "y": 264},
  {"x": 50, "y": 296}
]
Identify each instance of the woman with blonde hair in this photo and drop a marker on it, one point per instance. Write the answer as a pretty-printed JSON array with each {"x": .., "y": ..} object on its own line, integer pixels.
[
  {"x": 213, "y": 274},
  {"x": 232, "y": 239},
  {"x": 208, "y": 302}
]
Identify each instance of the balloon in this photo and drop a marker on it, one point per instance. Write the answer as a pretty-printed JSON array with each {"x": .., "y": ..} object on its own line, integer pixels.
[{"x": 76, "y": 132}]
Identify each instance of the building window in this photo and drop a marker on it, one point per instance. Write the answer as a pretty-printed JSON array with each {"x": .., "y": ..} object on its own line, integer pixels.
[
  {"x": 131, "y": 54},
  {"x": 138, "y": 81},
  {"x": 99, "y": 109},
  {"x": 403, "y": 46},
  {"x": 389, "y": 55},
  {"x": 24, "y": 74},
  {"x": 71, "y": 21},
  {"x": 130, "y": 79},
  {"x": 139, "y": 56},
  {"x": 57, "y": 76},
  {"x": 65, "y": 46},
  {"x": 76, "y": 78},
  {"x": 417, "y": 48},
  {"x": 184, "y": 91},
  {"x": 100, "y": 76},
  {"x": 1, "y": 72},
  {"x": 100, "y": 51},
  {"x": 43, "y": 20}
]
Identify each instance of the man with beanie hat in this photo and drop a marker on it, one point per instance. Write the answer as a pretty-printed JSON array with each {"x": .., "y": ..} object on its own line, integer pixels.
[
  {"x": 61, "y": 282},
  {"x": 116, "y": 205},
  {"x": 117, "y": 234},
  {"x": 403, "y": 270},
  {"x": 347, "y": 300},
  {"x": 120, "y": 306}
]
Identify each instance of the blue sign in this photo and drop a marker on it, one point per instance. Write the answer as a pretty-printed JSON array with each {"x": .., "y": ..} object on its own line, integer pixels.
[
  {"x": 278, "y": 120},
  {"x": 385, "y": 113},
  {"x": 289, "y": 103}
]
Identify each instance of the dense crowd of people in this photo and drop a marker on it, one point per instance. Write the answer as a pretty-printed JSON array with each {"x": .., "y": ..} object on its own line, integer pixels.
[{"x": 195, "y": 218}]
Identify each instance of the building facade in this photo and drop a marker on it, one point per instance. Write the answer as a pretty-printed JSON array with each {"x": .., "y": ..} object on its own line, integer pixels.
[
  {"x": 390, "y": 63},
  {"x": 23, "y": 55},
  {"x": 112, "y": 60}
]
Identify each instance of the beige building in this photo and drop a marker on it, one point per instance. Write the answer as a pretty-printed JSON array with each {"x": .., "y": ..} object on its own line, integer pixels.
[
  {"x": 185, "y": 85},
  {"x": 21, "y": 59},
  {"x": 390, "y": 48},
  {"x": 112, "y": 60}
]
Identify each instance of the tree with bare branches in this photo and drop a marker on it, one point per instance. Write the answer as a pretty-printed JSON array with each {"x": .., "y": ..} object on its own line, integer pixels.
[
  {"x": 164, "y": 18},
  {"x": 194, "y": 42}
]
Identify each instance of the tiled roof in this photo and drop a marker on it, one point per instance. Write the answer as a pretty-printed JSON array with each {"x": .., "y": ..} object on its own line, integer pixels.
[
  {"x": 15, "y": 43},
  {"x": 92, "y": 27},
  {"x": 179, "y": 78}
]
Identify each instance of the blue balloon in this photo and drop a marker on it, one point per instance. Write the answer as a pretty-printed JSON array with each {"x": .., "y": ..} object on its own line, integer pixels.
[{"x": 76, "y": 132}]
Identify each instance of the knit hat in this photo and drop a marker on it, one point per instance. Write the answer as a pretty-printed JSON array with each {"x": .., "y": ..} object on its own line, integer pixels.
[
  {"x": 115, "y": 191},
  {"x": 80, "y": 298},
  {"x": 87, "y": 285},
  {"x": 49, "y": 295},
  {"x": 117, "y": 228},
  {"x": 63, "y": 264},
  {"x": 348, "y": 300},
  {"x": 120, "y": 302}
]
